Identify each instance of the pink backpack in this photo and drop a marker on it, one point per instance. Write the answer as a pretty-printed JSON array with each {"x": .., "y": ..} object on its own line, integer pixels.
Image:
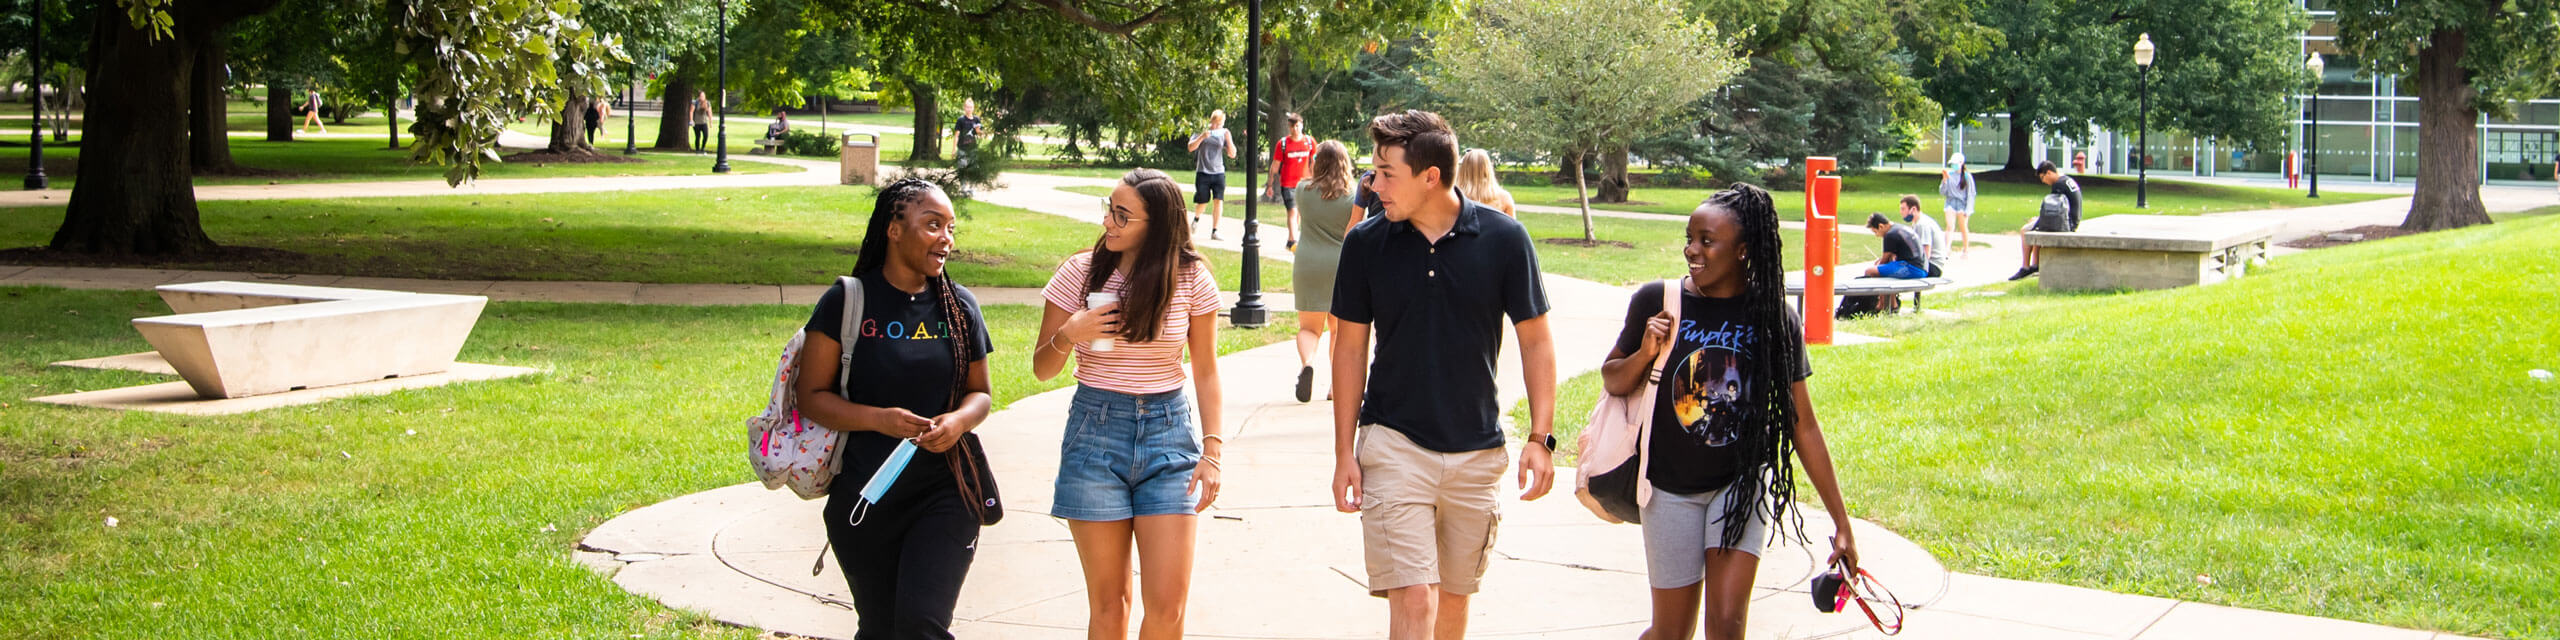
[
  {"x": 784, "y": 448},
  {"x": 1611, "y": 479}
]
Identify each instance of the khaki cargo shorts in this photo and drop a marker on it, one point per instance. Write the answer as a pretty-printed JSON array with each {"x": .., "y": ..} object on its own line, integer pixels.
[{"x": 1426, "y": 517}]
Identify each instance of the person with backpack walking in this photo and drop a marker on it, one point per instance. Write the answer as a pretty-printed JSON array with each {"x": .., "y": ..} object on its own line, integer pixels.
[
  {"x": 1731, "y": 410},
  {"x": 311, "y": 108},
  {"x": 918, "y": 373},
  {"x": 1130, "y": 469},
  {"x": 598, "y": 109}
]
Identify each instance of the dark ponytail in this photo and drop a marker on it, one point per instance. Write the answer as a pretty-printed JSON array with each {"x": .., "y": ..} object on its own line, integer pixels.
[{"x": 1767, "y": 485}]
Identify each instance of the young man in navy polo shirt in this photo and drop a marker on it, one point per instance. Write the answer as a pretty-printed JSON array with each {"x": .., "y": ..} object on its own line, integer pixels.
[{"x": 1417, "y": 445}]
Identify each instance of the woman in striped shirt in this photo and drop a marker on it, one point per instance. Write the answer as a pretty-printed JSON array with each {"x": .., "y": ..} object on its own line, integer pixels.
[{"x": 1130, "y": 467}]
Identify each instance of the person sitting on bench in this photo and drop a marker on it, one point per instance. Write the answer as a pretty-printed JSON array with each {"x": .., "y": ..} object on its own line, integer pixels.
[
  {"x": 781, "y": 125},
  {"x": 1903, "y": 258}
]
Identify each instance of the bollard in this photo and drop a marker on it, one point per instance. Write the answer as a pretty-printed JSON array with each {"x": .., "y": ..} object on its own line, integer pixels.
[
  {"x": 860, "y": 161},
  {"x": 1821, "y": 245}
]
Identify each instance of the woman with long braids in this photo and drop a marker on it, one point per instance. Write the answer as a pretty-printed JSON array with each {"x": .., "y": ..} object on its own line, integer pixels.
[
  {"x": 919, "y": 373},
  {"x": 1130, "y": 468},
  {"x": 1731, "y": 412}
]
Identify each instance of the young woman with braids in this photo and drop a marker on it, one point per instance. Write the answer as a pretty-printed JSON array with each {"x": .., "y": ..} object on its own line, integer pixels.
[
  {"x": 919, "y": 373},
  {"x": 1130, "y": 467},
  {"x": 1731, "y": 412}
]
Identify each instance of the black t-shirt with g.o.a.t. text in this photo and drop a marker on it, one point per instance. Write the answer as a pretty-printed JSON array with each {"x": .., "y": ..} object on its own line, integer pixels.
[{"x": 902, "y": 359}]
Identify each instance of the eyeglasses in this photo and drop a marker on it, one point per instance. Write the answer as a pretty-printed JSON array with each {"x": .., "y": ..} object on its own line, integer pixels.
[
  {"x": 1113, "y": 215},
  {"x": 1870, "y": 594}
]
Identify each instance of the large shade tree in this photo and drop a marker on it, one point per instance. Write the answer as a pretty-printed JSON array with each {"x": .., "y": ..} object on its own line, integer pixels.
[
  {"x": 479, "y": 62},
  {"x": 2466, "y": 58},
  {"x": 2065, "y": 65},
  {"x": 1580, "y": 76}
]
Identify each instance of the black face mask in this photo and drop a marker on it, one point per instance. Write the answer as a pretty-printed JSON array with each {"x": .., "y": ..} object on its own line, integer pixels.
[{"x": 1828, "y": 591}]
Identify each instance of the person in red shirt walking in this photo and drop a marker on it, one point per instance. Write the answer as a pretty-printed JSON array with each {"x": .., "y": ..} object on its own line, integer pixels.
[{"x": 1289, "y": 166}]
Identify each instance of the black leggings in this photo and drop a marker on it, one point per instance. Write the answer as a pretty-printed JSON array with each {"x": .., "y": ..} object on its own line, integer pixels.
[
  {"x": 701, "y": 136},
  {"x": 905, "y": 563}
]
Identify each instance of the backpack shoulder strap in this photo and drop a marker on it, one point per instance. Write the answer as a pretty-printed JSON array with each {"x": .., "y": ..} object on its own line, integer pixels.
[
  {"x": 1670, "y": 304},
  {"x": 853, "y": 299}
]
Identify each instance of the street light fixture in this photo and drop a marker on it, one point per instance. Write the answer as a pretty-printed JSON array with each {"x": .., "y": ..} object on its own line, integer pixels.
[
  {"x": 2143, "y": 53},
  {"x": 721, "y": 163},
  {"x": 2312, "y": 135},
  {"x": 1250, "y": 312}
]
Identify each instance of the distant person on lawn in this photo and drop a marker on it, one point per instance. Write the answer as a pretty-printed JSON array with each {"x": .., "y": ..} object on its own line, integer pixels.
[
  {"x": 701, "y": 121},
  {"x": 781, "y": 125},
  {"x": 1933, "y": 240},
  {"x": 1289, "y": 159},
  {"x": 1957, "y": 189},
  {"x": 1903, "y": 258},
  {"x": 2060, "y": 213},
  {"x": 311, "y": 110}
]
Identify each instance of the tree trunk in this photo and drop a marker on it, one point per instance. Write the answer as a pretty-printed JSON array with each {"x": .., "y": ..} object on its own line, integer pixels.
[
  {"x": 2021, "y": 144},
  {"x": 569, "y": 135},
  {"x": 675, "y": 117},
  {"x": 928, "y": 124},
  {"x": 1582, "y": 194},
  {"x": 134, "y": 195},
  {"x": 208, "y": 121},
  {"x": 2448, "y": 192},
  {"x": 1613, "y": 176},
  {"x": 391, "y": 111},
  {"x": 280, "y": 106}
]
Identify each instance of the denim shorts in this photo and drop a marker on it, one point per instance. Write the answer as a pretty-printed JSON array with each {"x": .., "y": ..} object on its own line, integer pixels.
[{"x": 1126, "y": 456}]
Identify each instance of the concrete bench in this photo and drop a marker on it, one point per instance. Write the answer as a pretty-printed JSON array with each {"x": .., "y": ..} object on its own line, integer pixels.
[
  {"x": 767, "y": 147},
  {"x": 1868, "y": 287},
  {"x": 2151, "y": 252},
  {"x": 237, "y": 339}
]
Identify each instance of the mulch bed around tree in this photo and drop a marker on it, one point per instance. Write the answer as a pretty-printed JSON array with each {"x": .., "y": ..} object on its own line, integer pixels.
[
  {"x": 2370, "y": 233},
  {"x": 1578, "y": 242},
  {"x": 539, "y": 158}
]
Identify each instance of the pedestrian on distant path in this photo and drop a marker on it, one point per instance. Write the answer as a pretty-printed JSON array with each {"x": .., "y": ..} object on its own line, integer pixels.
[
  {"x": 598, "y": 110},
  {"x": 1130, "y": 469},
  {"x": 919, "y": 373},
  {"x": 1956, "y": 187},
  {"x": 1210, "y": 150},
  {"x": 1476, "y": 181},
  {"x": 1731, "y": 406},
  {"x": 2059, "y": 213},
  {"x": 701, "y": 111},
  {"x": 1289, "y": 159},
  {"x": 1329, "y": 214},
  {"x": 1418, "y": 438},
  {"x": 965, "y": 132},
  {"x": 311, "y": 109}
]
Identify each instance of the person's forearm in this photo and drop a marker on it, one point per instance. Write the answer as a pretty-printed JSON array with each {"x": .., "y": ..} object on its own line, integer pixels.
[
  {"x": 1049, "y": 357},
  {"x": 1350, "y": 382},
  {"x": 1625, "y": 374},
  {"x": 1816, "y": 455},
  {"x": 1538, "y": 367}
]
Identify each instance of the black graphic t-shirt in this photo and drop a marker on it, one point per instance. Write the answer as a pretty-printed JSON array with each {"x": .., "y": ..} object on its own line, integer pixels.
[
  {"x": 901, "y": 358},
  {"x": 1702, "y": 405}
]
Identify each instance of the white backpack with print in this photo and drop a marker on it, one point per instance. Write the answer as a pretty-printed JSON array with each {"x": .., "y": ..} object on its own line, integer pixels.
[{"x": 784, "y": 447}]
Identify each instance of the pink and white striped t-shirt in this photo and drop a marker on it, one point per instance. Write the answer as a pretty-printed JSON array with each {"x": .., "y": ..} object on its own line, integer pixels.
[{"x": 1135, "y": 367}]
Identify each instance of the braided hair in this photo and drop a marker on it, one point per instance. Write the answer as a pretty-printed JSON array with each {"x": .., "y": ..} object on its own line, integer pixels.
[
  {"x": 890, "y": 206},
  {"x": 1767, "y": 483}
]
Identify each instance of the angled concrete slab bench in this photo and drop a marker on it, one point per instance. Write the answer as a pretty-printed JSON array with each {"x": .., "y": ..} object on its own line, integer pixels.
[
  {"x": 236, "y": 339},
  {"x": 1868, "y": 287},
  {"x": 2151, "y": 252}
]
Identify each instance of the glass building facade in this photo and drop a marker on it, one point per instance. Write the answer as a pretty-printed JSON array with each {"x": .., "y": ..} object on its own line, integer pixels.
[{"x": 2367, "y": 132}]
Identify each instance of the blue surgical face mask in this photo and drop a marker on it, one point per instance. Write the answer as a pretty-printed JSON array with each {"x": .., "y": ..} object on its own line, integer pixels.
[{"x": 887, "y": 475}]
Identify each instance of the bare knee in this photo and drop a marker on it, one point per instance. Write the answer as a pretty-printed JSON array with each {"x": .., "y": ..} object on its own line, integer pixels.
[{"x": 1722, "y": 625}]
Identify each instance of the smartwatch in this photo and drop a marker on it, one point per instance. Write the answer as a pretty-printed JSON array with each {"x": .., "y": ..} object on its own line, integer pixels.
[{"x": 1549, "y": 441}]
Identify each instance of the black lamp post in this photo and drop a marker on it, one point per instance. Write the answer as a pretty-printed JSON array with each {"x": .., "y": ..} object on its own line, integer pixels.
[
  {"x": 2312, "y": 136},
  {"x": 2142, "y": 56},
  {"x": 35, "y": 138},
  {"x": 721, "y": 163},
  {"x": 1249, "y": 312}
]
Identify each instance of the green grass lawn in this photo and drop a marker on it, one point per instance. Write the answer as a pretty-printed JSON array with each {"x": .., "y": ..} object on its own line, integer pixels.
[
  {"x": 2339, "y": 434},
  {"x": 318, "y": 160},
  {"x": 792, "y": 235},
  {"x": 2003, "y": 207},
  {"x": 1632, "y": 251},
  {"x": 446, "y": 512}
]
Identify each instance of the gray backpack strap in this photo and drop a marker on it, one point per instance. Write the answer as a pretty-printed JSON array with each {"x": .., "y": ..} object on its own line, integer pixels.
[{"x": 853, "y": 299}]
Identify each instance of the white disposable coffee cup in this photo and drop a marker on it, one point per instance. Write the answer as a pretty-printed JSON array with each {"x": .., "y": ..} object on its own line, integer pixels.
[{"x": 1095, "y": 300}]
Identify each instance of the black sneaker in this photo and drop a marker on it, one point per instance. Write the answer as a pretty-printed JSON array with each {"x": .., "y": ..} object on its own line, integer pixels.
[
  {"x": 2022, "y": 274},
  {"x": 1306, "y": 383}
]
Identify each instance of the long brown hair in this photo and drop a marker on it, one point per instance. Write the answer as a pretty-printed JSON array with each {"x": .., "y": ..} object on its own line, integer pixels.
[
  {"x": 1330, "y": 171},
  {"x": 1160, "y": 261}
]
